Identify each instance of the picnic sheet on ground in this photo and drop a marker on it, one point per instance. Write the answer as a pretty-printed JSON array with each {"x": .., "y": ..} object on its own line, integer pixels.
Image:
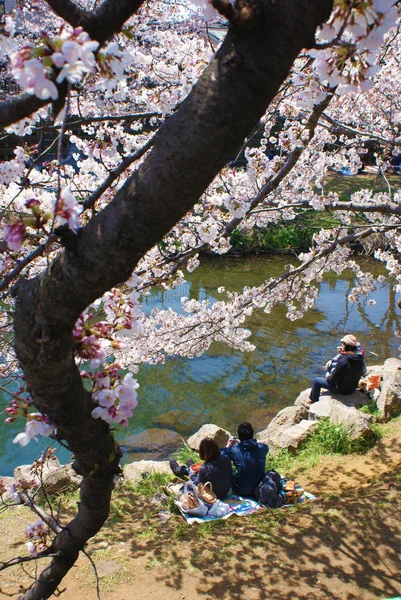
[{"x": 242, "y": 506}]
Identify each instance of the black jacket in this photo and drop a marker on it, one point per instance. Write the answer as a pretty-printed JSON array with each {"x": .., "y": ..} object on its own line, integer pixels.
[
  {"x": 218, "y": 472},
  {"x": 347, "y": 373}
]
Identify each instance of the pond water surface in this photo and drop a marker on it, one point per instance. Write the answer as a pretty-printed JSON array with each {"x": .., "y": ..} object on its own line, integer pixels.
[{"x": 226, "y": 386}]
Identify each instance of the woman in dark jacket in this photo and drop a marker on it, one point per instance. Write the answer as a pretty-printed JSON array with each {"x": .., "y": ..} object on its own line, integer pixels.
[{"x": 216, "y": 468}]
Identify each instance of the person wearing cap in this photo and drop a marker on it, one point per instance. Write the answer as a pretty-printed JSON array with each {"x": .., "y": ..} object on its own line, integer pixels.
[
  {"x": 351, "y": 341},
  {"x": 343, "y": 371}
]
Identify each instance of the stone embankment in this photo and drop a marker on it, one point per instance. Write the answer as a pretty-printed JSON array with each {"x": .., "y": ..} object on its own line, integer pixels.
[{"x": 290, "y": 428}]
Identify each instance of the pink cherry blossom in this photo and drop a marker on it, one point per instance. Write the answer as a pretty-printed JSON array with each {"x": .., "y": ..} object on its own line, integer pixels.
[{"x": 14, "y": 235}]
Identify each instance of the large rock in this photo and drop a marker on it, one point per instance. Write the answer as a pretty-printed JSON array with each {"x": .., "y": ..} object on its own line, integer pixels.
[
  {"x": 75, "y": 480},
  {"x": 391, "y": 365},
  {"x": 154, "y": 444},
  {"x": 354, "y": 421},
  {"x": 295, "y": 436},
  {"x": 55, "y": 478},
  {"x": 356, "y": 399},
  {"x": 287, "y": 417},
  {"x": 23, "y": 474},
  {"x": 219, "y": 435},
  {"x": 303, "y": 398},
  {"x": 183, "y": 421},
  {"x": 7, "y": 496},
  {"x": 389, "y": 400},
  {"x": 135, "y": 471}
]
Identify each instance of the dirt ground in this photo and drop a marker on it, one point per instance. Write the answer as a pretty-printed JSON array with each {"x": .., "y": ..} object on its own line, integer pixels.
[{"x": 346, "y": 545}]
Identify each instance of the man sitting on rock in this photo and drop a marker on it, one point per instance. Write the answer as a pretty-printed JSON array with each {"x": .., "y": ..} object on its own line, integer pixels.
[
  {"x": 249, "y": 460},
  {"x": 343, "y": 371}
]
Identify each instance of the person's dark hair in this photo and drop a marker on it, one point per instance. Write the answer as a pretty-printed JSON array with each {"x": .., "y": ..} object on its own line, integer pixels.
[
  {"x": 349, "y": 348},
  {"x": 245, "y": 432},
  {"x": 208, "y": 450}
]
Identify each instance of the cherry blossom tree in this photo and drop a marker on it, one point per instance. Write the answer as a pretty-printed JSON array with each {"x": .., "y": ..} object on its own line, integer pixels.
[{"x": 146, "y": 114}]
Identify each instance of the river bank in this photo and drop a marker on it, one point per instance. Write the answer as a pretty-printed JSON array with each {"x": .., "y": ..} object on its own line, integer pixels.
[{"x": 344, "y": 546}]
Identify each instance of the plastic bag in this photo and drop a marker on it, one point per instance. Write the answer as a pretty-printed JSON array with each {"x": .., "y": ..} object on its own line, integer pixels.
[
  {"x": 190, "y": 503},
  {"x": 194, "y": 469},
  {"x": 174, "y": 488},
  {"x": 219, "y": 509}
]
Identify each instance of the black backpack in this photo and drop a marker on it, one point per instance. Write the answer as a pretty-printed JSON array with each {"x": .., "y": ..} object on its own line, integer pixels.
[{"x": 268, "y": 490}]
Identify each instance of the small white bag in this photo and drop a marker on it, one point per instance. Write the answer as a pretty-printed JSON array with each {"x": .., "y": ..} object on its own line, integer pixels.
[{"x": 219, "y": 509}]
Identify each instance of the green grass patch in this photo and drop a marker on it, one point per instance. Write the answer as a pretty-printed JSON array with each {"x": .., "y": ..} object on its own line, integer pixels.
[
  {"x": 121, "y": 503},
  {"x": 326, "y": 439},
  {"x": 370, "y": 409},
  {"x": 296, "y": 235},
  {"x": 345, "y": 185},
  {"x": 152, "y": 483},
  {"x": 330, "y": 438},
  {"x": 182, "y": 454}
]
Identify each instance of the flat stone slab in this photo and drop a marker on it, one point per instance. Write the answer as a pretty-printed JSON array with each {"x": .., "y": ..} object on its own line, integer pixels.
[
  {"x": 295, "y": 436},
  {"x": 107, "y": 568},
  {"x": 356, "y": 422},
  {"x": 134, "y": 471}
]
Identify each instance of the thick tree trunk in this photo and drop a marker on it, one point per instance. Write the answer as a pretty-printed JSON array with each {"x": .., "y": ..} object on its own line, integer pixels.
[{"x": 188, "y": 152}]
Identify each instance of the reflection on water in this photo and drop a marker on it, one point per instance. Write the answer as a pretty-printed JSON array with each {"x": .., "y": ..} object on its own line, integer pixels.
[{"x": 226, "y": 386}]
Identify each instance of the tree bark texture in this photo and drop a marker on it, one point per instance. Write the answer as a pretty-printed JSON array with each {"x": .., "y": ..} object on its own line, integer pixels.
[{"x": 188, "y": 152}]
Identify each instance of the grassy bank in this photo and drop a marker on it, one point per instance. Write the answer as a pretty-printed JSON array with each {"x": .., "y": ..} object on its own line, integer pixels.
[
  {"x": 142, "y": 506},
  {"x": 296, "y": 235},
  {"x": 343, "y": 545}
]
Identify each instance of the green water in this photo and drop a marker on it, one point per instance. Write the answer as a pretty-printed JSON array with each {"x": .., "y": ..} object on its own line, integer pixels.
[{"x": 226, "y": 386}]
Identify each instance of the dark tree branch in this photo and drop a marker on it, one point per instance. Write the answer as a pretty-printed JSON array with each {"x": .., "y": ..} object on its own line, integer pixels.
[
  {"x": 391, "y": 208},
  {"x": 74, "y": 121},
  {"x": 18, "y": 560},
  {"x": 49, "y": 520},
  {"x": 20, "y": 266},
  {"x": 16, "y": 109},
  {"x": 102, "y": 23},
  {"x": 351, "y": 131}
]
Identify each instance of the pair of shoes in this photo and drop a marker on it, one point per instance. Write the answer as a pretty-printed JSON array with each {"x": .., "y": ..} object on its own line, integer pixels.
[
  {"x": 190, "y": 462},
  {"x": 175, "y": 467}
]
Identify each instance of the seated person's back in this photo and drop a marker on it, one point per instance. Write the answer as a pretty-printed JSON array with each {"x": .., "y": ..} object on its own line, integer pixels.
[
  {"x": 216, "y": 468},
  {"x": 347, "y": 372},
  {"x": 343, "y": 371},
  {"x": 249, "y": 459}
]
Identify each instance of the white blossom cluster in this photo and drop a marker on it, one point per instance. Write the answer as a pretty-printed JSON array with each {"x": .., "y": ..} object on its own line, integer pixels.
[
  {"x": 353, "y": 36},
  {"x": 126, "y": 91}
]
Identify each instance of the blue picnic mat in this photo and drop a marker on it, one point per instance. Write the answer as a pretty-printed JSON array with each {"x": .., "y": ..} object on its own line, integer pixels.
[{"x": 241, "y": 506}]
